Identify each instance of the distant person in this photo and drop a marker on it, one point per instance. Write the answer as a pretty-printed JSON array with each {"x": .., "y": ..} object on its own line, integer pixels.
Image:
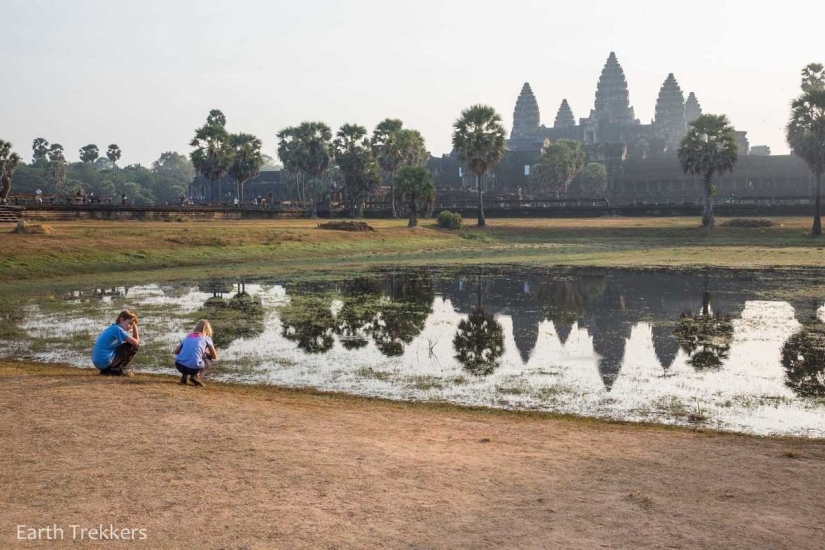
[
  {"x": 182, "y": 199},
  {"x": 123, "y": 199},
  {"x": 38, "y": 196},
  {"x": 117, "y": 345},
  {"x": 195, "y": 353},
  {"x": 235, "y": 201}
]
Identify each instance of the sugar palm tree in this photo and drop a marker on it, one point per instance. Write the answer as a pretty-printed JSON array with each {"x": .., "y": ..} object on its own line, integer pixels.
[
  {"x": 388, "y": 151},
  {"x": 288, "y": 152},
  {"x": 315, "y": 154},
  {"x": 478, "y": 137},
  {"x": 246, "y": 160},
  {"x": 709, "y": 148},
  {"x": 213, "y": 154},
  {"x": 8, "y": 164},
  {"x": 805, "y": 133}
]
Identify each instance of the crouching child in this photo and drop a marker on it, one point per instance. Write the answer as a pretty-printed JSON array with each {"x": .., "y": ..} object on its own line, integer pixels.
[
  {"x": 195, "y": 353},
  {"x": 117, "y": 345}
]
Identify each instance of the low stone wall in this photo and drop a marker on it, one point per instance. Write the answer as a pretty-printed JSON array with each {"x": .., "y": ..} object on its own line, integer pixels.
[
  {"x": 165, "y": 213},
  {"x": 69, "y": 213}
]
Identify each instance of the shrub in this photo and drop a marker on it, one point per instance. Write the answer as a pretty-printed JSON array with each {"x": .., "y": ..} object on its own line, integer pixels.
[
  {"x": 746, "y": 222},
  {"x": 449, "y": 220}
]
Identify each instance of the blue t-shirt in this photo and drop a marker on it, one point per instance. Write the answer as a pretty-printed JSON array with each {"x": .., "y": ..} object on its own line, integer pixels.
[
  {"x": 192, "y": 349},
  {"x": 104, "y": 351}
]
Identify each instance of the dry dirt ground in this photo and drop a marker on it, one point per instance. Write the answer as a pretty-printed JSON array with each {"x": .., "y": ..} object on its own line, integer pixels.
[{"x": 235, "y": 467}]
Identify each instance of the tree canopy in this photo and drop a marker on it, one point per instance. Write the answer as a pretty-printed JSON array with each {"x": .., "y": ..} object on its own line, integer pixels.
[
  {"x": 213, "y": 153},
  {"x": 478, "y": 136},
  {"x": 8, "y": 164},
  {"x": 357, "y": 163},
  {"x": 558, "y": 166},
  {"x": 246, "y": 159},
  {"x": 415, "y": 189},
  {"x": 89, "y": 153},
  {"x": 709, "y": 148},
  {"x": 805, "y": 131}
]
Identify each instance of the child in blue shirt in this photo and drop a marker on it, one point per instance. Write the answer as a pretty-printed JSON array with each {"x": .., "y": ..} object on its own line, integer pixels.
[
  {"x": 117, "y": 345},
  {"x": 195, "y": 353}
]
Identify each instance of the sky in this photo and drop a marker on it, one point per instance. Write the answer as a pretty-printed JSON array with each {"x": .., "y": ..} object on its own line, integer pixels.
[{"x": 144, "y": 74}]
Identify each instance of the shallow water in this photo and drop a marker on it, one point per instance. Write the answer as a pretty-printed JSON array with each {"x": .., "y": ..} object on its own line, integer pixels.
[{"x": 674, "y": 348}]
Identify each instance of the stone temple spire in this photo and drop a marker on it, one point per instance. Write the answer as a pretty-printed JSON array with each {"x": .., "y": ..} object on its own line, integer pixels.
[
  {"x": 692, "y": 108},
  {"x": 526, "y": 114},
  {"x": 612, "y": 96},
  {"x": 670, "y": 110},
  {"x": 564, "y": 118}
]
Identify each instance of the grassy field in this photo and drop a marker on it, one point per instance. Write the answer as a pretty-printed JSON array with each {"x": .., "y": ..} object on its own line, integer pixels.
[{"x": 177, "y": 248}]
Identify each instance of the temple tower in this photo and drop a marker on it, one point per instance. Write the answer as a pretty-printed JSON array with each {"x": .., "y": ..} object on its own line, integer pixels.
[
  {"x": 670, "y": 111},
  {"x": 612, "y": 96},
  {"x": 526, "y": 114},
  {"x": 564, "y": 118},
  {"x": 692, "y": 108}
]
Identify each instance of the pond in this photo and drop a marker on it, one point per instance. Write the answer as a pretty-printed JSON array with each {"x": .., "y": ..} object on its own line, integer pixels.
[{"x": 718, "y": 349}]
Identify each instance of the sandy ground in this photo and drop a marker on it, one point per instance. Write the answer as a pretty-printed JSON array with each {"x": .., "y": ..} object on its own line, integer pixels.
[{"x": 230, "y": 467}]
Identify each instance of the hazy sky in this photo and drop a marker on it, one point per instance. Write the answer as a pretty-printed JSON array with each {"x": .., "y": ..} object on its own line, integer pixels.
[{"x": 145, "y": 73}]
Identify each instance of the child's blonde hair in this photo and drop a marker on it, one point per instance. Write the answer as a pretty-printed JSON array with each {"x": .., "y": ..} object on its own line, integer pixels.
[{"x": 204, "y": 328}]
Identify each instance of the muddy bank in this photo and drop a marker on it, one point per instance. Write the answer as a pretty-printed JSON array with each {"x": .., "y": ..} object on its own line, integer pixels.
[{"x": 235, "y": 467}]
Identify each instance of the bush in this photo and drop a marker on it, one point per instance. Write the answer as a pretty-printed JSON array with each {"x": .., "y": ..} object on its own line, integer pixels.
[
  {"x": 449, "y": 220},
  {"x": 745, "y": 222}
]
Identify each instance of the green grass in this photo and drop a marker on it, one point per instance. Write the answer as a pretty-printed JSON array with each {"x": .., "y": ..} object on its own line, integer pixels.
[{"x": 118, "y": 249}]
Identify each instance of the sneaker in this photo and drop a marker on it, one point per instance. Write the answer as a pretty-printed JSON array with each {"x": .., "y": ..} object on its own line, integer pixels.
[
  {"x": 197, "y": 379},
  {"x": 106, "y": 372}
]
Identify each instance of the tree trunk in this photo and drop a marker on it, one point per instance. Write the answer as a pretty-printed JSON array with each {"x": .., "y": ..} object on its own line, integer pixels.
[
  {"x": 707, "y": 210},
  {"x": 392, "y": 193},
  {"x": 481, "y": 221},
  {"x": 413, "y": 216},
  {"x": 241, "y": 199},
  {"x": 5, "y": 183},
  {"x": 816, "y": 231}
]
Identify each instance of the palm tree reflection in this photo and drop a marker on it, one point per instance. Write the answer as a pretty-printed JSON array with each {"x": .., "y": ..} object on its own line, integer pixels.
[
  {"x": 803, "y": 356},
  {"x": 705, "y": 337},
  {"x": 479, "y": 341}
]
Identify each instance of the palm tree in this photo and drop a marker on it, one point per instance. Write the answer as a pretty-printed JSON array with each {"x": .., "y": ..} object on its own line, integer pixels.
[
  {"x": 709, "y": 148},
  {"x": 246, "y": 160},
  {"x": 805, "y": 133},
  {"x": 315, "y": 154},
  {"x": 212, "y": 155},
  {"x": 89, "y": 153},
  {"x": 57, "y": 166},
  {"x": 357, "y": 164},
  {"x": 388, "y": 151},
  {"x": 40, "y": 150},
  {"x": 113, "y": 154},
  {"x": 288, "y": 152},
  {"x": 479, "y": 139},
  {"x": 416, "y": 189},
  {"x": 8, "y": 164}
]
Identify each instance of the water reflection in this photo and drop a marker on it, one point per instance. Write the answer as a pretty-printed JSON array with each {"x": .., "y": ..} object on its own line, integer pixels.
[
  {"x": 240, "y": 316},
  {"x": 624, "y": 344},
  {"x": 706, "y": 337},
  {"x": 479, "y": 339},
  {"x": 803, "y": 356}
]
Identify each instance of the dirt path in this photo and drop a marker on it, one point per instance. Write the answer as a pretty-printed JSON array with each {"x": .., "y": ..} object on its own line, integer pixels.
[{"x": 229, "y": 467}]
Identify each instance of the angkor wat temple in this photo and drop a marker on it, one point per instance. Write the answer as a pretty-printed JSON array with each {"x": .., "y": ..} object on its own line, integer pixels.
[{"x": 640, "y": 158}]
